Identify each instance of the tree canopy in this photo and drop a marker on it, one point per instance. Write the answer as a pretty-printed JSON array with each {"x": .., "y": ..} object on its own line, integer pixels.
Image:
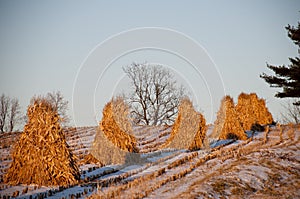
[{"x": 287, "y": 77}]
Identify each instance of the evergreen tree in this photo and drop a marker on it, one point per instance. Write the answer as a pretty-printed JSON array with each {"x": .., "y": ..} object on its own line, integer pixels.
[{"x": 287, "y": 77}]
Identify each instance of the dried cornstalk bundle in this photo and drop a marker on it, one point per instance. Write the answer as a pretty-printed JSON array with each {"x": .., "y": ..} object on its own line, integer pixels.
[
  {"x": 90, "y": 159},
  {"x": 252, "y": 110},
  {"x": 199, "y": 138},
  {"x": 189, "y": 129},
  {"x": 121, "y": 115},
  {"x": 113, "y": 139},
  {"x": 227, "y": 125},
  {"x": 42, "y": 156},
  {"x": 105, "y": 151},
  {"x": 116, "y": 126}
]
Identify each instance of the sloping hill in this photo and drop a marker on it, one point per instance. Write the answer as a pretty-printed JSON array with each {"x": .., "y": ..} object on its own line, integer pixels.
[{"x": 266, "y": 166}]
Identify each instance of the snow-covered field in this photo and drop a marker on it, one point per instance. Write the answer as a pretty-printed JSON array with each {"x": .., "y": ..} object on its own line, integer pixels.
[{"x": 256, "y": 168}]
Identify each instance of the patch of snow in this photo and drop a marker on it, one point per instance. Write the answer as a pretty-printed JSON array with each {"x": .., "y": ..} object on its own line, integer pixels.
[
  {"x": 99, "y": 171},
  {"x": 221, "y": 142},
  {"x": 159, "y": 156}
]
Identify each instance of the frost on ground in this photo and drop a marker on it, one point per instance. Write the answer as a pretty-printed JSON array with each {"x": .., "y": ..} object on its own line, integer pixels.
[
  {"x": 253, "y": 170},
  {"x": 262, "y": 167},
  {"x": 246, "y": 169}
]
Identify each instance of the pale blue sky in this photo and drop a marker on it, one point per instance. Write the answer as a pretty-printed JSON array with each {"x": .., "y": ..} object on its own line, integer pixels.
[{"x": 44, "y": 43}]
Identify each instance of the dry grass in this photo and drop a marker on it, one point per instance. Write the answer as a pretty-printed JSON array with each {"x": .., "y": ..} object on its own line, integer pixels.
[
  {"x": 181, "y": 161},
  {"x": 252, "y": 110},
  {"x": 281, "y": 129},
  {"x": 267, "y": 130},
  {"x": 291, "y": 132},
  {"x": 141, "y": 187},
  {"x": 193, "y": 176},
  {"x": 113, "y": 139},
  {"x": 42, "y": 156},
  {"x": 189, "y": 129},
  {"x": 8, "y": 138},
  {"x": 227, "y": 124}
]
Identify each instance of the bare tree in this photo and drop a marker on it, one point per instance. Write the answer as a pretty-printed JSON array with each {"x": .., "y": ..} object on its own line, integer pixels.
[
  {"x": 10, "y": 114},
  {"x": 60, "y": 105},
  {"x": 14, "y": 114},
  {"x": 156, "y": 95},
  {"x": 292, "y": 113},
  {"x": 4, "y": 106}
]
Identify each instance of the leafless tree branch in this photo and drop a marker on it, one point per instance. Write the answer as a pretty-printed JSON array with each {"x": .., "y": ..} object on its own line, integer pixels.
[
  {"x": 10, "y": 114},
  {"x": 60, "y": 105},
  {"x": 4, "y": 106},
  {"x": 155, "y": 96},
  {"x": 292, "y": 113},
  {"x": 14, "y": 114}
]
